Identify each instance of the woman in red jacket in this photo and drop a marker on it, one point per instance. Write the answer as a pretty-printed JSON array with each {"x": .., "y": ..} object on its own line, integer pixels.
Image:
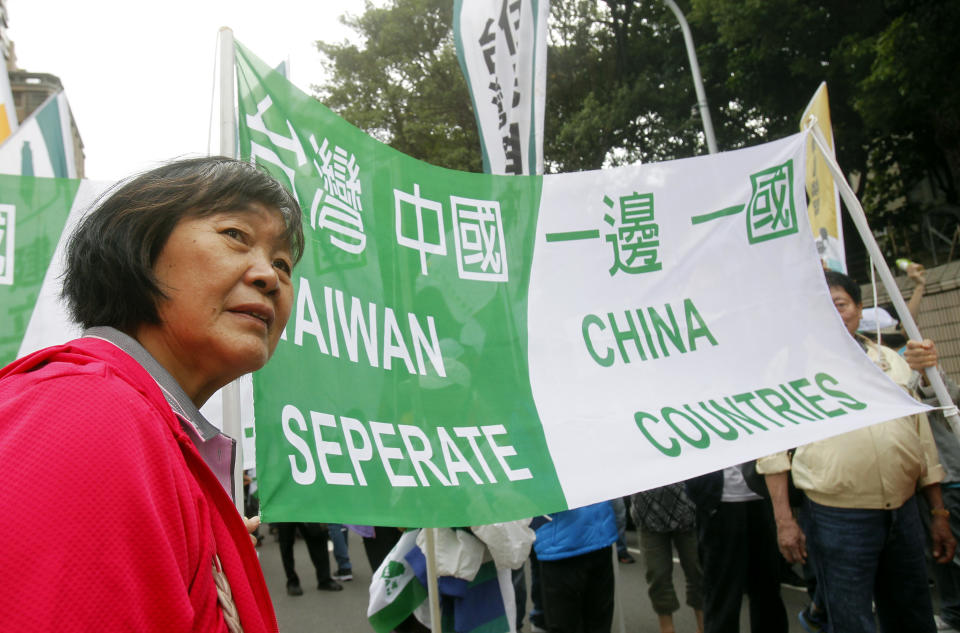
[{"x": 117, "y": 491}]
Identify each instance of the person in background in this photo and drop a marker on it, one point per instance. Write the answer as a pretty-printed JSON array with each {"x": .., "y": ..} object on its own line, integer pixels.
[
  {"x": 341, "y": 553},
  {"x": 859, "y": 518},
  {"x": 946, "y": 575},
  {"x": 918, "y": 274},
  {"x": 315, "y": 535},
  {"x": 666, "y": 519},
  {"x": 181, "y": 277},
  {"x": 620, "y": 514},
  {"x": 879, "y": 321},
  {"x": 738, "y": 553},
  {"x": 576, "y": 568}
]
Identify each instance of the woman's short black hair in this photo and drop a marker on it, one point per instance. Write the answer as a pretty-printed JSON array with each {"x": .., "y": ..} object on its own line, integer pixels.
[
  {"x": 110, "y": 257},
  {"x": 839, "y": 280}
]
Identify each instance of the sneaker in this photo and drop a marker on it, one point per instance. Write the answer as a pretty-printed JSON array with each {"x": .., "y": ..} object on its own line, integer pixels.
[
  {"x": 294, "y": 589},
  {"x": 343, "y": 574},
  {"x": 807, "y": 621},
  {"x": 626, "y": 558},
  {"x": 330, "y": 585}
]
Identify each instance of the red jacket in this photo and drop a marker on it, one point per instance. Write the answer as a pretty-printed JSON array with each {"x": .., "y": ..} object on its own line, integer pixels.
[{"x": 111, "y": 517}]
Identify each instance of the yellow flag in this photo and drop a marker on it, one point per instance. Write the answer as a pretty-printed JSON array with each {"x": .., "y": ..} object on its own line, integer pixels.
[
  {"x": 824, "y": 205},
  {"x": 8, "y": 112}
]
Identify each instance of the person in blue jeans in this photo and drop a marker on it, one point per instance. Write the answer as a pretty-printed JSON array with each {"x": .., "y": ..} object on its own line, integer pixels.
[
  {"x": 946, "y": 575},
  {"x": 338, "y": 536},
  {"x": 860, "y": 520}
]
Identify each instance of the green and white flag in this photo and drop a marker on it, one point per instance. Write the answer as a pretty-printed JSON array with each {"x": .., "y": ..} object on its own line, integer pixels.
[
  {"x": 36, "y": 216},
  {"x": 43, "y": 144},
  {"x": 395, "y": 591},
  {"x": 469, "y": 348}
]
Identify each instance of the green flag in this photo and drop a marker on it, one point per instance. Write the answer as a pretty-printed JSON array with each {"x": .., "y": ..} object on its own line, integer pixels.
[{"x": 366, "y": 324}]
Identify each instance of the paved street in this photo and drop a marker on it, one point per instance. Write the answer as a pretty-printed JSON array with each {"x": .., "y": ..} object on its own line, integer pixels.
[{"x": 345, "y": 611}]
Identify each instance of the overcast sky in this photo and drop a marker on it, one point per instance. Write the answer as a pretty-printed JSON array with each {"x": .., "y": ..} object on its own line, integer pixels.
[{"x": 139, "y": 75}]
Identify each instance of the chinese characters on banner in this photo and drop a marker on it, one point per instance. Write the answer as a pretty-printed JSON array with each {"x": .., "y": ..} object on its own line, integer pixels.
[{"x": 473, "y": 348}]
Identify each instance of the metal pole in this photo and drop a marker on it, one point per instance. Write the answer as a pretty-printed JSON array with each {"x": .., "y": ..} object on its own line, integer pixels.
[
  {"x": 228, "y": 121},
  {"x": 230, "y": 395},
  {"x": 860, "y": 221},
  {"x": 697, "y": 80}
]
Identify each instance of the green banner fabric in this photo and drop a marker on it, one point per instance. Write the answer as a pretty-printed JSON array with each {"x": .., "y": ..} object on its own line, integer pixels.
[
  {"x": 470, "y": 348},
  {"x": 372, "y": 367}
]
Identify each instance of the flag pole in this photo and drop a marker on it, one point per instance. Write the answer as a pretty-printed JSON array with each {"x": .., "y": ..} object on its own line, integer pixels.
[
  {"x": 232, "y": 426},
  {"x": 880, "y": 264},
  {"x": 433, "y": 590}
]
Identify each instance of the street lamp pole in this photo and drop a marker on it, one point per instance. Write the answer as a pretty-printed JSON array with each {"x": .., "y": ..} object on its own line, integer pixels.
[{"x": 697, "y": 80}]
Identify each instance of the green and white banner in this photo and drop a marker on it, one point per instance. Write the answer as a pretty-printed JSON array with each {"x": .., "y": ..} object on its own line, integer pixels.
[
  {"x": 34, "y": 214},
  {"x": 468, "y": 348}
]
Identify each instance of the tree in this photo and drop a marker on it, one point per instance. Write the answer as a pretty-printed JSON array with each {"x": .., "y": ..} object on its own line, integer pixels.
[
  {"x": 403, "y": 85},
  {"x": 619, "y": 87}
]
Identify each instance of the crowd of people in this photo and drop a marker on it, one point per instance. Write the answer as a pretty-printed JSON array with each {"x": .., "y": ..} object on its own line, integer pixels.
[{"x": 182, "y": 280}]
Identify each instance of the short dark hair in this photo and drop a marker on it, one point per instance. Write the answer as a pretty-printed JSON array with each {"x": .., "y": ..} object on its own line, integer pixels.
[
  {"x": 839, "y": 280},
  {"x": 110, "y": 279}
]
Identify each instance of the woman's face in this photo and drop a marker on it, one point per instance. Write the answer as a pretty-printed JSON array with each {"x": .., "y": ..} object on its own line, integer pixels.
[
  {"x": 850, "y": 311},
  {"x": 227, "y": 279}
]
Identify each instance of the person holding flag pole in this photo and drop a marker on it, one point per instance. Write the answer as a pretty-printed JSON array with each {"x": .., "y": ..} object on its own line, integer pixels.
[{"x": 863, "y": 532}]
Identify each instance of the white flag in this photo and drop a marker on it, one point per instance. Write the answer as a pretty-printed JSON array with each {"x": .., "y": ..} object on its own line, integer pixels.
[{"x": 502, "y": 47}]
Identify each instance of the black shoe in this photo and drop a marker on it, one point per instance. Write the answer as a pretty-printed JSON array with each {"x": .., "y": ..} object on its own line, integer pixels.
[
  {"x": 626, "y": 558},
  {"x": 330, "y": 585},
  {"x": 294, "y": 589},
  {"x": 343, "y": 574}
]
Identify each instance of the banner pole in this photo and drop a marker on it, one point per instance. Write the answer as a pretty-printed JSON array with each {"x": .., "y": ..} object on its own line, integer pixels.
[
  {"x": 433, "y": 591},
  {"x": 228, "y": 120},
  {"x": 230, "y": 394},
  {"x": 880, "y": 264}
]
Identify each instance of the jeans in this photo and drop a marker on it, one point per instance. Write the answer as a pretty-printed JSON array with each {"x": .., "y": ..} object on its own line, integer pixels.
[
  {"x": 870, "y": 556},
  {"x": 620, "y": 514},
  {"x": 338, "y": 536}
]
